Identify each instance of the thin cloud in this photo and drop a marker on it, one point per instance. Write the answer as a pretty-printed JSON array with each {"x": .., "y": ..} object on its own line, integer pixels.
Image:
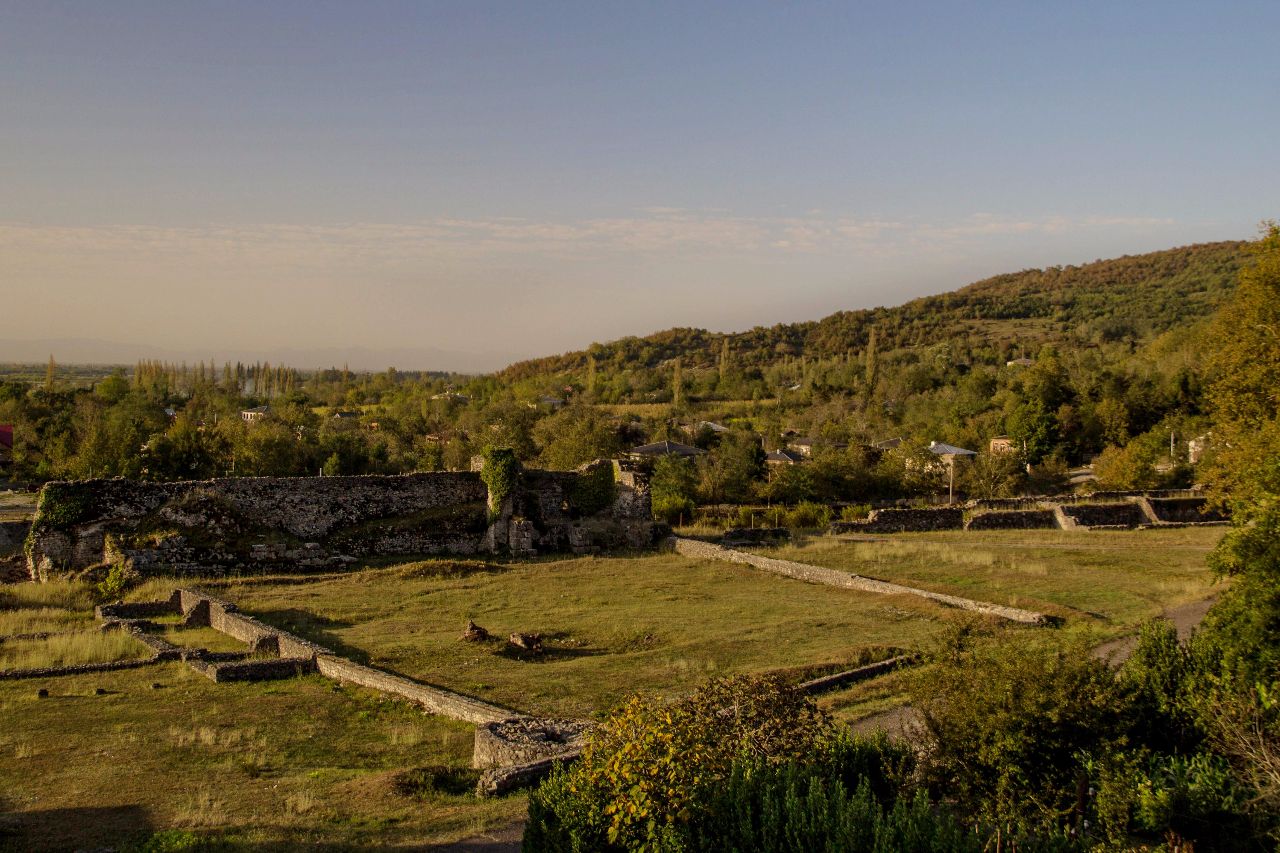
[{"x": 654, "y": 230}]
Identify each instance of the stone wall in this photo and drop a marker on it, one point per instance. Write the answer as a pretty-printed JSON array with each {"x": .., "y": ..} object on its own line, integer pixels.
[
  {"x": 1124, "y": 514},
  {"x": 299, "y": 655},
  {"x": 904, "y": 521},
  {"x": 832, "y": 577},
  {"x": 1184, "y": 510},
  {"x": 1024, "y": 519},
  {"x": 273, "y": 523}
]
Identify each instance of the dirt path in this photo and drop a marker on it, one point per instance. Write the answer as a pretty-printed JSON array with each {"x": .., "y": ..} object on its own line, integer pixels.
[
  {"x": 904, "y": 722},
  {"x": 505, "y": 840},
  {"x": 1185, "y": 617}
]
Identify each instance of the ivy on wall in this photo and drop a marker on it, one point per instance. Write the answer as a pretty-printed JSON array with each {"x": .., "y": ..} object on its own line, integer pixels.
[{"x": 500, "y": 472}]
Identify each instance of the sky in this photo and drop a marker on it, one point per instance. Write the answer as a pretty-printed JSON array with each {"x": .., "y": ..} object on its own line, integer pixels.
[{"x": 439, "y": 185}]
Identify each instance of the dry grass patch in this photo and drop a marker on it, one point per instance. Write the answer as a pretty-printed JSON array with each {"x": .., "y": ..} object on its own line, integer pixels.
[
  {"x": 35, "y": 620},
  {"x": 64, "y": 594},
  {"x": 79, "y": 647}
]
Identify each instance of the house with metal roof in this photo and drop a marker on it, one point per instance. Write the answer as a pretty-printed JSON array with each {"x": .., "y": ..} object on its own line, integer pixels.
[{"x": 664, "y": 448}]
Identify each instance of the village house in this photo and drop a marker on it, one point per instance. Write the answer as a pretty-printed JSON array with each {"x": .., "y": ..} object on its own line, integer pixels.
[
  {"x": 257, "y": 413},
  {"x": 887, "y": 445},
  {"x": 805, "y": 446},
  {"x": 663, "y": 448},
  {"x": 1197, "y": 446},
  {"x": 1001, "y": 444},
  {"x": 783, "y": 457},
  {"x": 552, "y": 403}
]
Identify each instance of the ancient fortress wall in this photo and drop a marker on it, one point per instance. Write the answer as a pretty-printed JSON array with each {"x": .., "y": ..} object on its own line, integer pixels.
[{"x": 271, "y": 523}]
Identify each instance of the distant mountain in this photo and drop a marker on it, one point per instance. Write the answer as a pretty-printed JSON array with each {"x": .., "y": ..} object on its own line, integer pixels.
[
  {"x": 92, "y": 351},
  {"x": 1134, "y": 297}
]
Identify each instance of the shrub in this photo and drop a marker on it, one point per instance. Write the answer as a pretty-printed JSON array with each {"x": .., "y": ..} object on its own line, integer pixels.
[
  {"x": 672, "y": 508},
  {"x": 809, "y": 514},
  {"x": 500, "y": 474},
  {"x": 1011, "y": 730},
  {"x": 118, "y": 580},
  {"x": 647, "y": 771},
  {"x": 856, "y": 512}
]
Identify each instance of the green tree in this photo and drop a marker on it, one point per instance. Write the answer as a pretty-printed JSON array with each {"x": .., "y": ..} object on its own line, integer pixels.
[
  {"x": 1244, "y": 371},
  {"x": 728, "y": 472},
  {"x": 1113, "y": 419},
  {"x": 672, "y": 488},
  {"x": 1034, "y": 429},
  {"x": 574, "y": 435}
]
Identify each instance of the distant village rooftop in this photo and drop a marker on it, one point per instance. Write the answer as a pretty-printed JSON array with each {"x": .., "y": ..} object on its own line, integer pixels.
[{"x": 664, "y": 448}]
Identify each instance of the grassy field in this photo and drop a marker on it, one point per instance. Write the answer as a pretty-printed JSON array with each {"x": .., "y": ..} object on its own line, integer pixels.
[
  {"x": 304, "y": 762},
  {"x": 613, "y": 626},
  {"x": 1109, "y": 580},
  {"x": 277, "y": 765}
]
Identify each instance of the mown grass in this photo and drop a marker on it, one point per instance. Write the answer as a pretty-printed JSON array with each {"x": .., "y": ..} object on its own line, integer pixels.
[
  {"x": 268, "y": 766},
  {"x": 1111, "y": 580},
  {"x": 611, "y": 626}
]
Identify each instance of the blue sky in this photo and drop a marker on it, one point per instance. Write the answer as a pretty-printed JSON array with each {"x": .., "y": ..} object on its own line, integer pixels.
[{"x": 461, "y": 184}]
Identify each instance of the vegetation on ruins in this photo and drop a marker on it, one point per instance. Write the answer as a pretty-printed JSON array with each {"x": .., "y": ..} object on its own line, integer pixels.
[{"x": 500, "y": 473}]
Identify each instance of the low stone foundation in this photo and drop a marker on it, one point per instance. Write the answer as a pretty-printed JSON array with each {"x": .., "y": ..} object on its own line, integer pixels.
[
  {"x": 845, "y": 580},
  {"x": 527, "y": 739},
  {"x": 1025, "y": 519},
  {"x": 904, "y": 520},
  {"x": 852, "y": 676},
  {"x": 1184, "y": 510},
  {"x": 268, "y": 669},
  {"x": 1112, "y": 515}
]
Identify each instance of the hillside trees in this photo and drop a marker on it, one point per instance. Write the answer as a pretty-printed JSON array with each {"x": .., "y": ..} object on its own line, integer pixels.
[{"x": 574, "y": 435}]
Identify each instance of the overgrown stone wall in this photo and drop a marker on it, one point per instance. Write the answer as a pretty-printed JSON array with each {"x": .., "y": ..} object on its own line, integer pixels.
[
  {"x": 904, "y": 520},
  {"x": 270, "y": 523}
]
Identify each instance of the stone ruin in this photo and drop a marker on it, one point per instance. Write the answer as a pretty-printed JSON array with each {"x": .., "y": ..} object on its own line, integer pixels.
[
  {"x": 1102, "y": 511},
  {"x": 257, "y": 524}
]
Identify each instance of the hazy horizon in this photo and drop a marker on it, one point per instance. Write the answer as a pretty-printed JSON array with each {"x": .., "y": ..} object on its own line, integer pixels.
[{"x": 460, "y": 187}]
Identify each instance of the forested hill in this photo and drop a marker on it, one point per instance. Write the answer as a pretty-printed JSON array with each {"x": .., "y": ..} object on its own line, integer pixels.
[{"x": 1133, "y": 297}]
